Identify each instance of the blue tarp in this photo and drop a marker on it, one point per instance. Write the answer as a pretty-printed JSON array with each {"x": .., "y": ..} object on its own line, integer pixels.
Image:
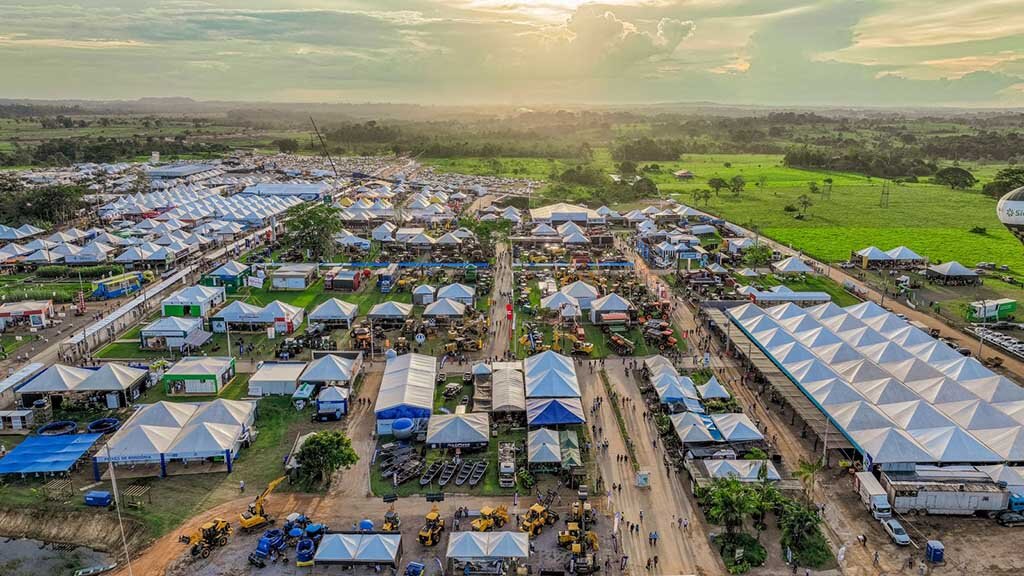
[
  {"x": 554, "y": 411},
  {"x": 47, "y": 453}
]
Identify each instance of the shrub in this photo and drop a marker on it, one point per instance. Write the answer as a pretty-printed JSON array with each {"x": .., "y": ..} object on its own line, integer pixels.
[
  {"x": 789, "y": 208},
  {"x": 979, "y": 230},
  {"x": 753, "y": 554},
  {"x": 91, "y": 272}
]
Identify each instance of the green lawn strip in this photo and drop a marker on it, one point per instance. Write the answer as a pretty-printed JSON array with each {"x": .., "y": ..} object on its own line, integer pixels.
[{"x": 623, "y": 429}]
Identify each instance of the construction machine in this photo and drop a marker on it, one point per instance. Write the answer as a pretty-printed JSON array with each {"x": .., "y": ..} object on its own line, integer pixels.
[
  {"x": 256, "y": 516},
  {"x": 538, "y": 516},
  {"x": 582, "y": 562},
  {"x": 491, "y": 518},
  {"x": 392, "y": 521},
  {"x": 205, "y": 538},
  {"x": 621, "y": 346},
  {"x": 433, "y": 525}
]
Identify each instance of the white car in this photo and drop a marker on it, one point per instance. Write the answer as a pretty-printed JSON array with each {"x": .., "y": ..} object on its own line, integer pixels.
[{"x": 895, "y": 531}]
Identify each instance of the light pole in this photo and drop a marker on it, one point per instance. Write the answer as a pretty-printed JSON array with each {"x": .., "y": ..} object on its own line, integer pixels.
[{"x": 981, "y": 335}]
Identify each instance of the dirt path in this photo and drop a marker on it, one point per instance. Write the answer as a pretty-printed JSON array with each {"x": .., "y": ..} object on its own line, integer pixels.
[{"x": 679, "y": 551}]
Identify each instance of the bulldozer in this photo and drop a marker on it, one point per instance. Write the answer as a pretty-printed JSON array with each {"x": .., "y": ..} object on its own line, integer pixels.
[
  {"x": 433, "y": 525},
  {"x": 392, "y": 521},
  {"x": 491, "y": 519},
  {"x": 538, "y": 516},
  {"x": 210, "y": 535},
  {"x": 256, "y": 516}
]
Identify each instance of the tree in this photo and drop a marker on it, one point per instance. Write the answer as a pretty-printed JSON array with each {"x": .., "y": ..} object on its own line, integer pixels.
[
  {"x": 286, "y": 145},
  {"x": 311, "y": 227},
  {"x": 807, "y": 473},
  {"x": 799, "y": 523},
  {"x": 765, "y": 496},
  {"x": 759, "y": 255},
  {"x": 627, "y": 167},
  {"x": 717, "y": 184},
  {"x": 812, "y": 187},
  {"x": 699, "y": 195},
  {"x": 645, "y": 188},
  {"x": 955, "y": 177},
  {"x": 323, "y": 453},
  {"x": 804, "y": 202},
  {"x": 1005, "y": 180},
  {"x": 736, "y": 184},
  {"x": 729, "y": 504}
]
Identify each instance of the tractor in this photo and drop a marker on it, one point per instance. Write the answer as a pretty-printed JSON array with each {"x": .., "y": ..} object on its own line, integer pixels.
[
  {"x": 536, "y": 518},
  {"x": 392, "y": 521}
]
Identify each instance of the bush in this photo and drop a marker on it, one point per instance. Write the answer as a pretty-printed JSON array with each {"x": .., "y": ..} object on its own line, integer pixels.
[
  {"x": 815, "y": 552},
  {"x": 789, "y": 208},
  {"x": 754, "y": 554},
  {"x": 979, "y": 230},
  {"x": 91, "y": 272}
]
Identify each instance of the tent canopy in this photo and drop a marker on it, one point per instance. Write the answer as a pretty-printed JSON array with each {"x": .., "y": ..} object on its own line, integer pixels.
[
  {"x": 47, "y": 453},
  {"x": 407, "y": 387},
  {"x": 543, "y": 447},
  {"x": 484, "y": 545},
  {"x": 329, "y": 368},
  {"x": 459, "y": 429},
  {"x": 508, "y": 393},
  {"x": 554, "y": 411}
]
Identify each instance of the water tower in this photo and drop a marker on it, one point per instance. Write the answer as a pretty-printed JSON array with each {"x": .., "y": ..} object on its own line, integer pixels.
[{"x": 1011, "y": 212}]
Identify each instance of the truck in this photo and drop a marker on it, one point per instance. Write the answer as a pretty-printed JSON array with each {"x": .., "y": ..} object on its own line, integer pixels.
[
  {"x": 954, "y": 490},
  {"x": 506, "y": 465},
  {"x": 872, "y": 495}
]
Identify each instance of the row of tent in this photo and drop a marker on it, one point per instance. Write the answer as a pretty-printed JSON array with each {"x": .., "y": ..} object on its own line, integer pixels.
[
  {"x": 899, "y": 395},
  {"x": 695, "y": 428},
  {"x": 545, "y": 446},
  {"x": 899, "y": 254}
]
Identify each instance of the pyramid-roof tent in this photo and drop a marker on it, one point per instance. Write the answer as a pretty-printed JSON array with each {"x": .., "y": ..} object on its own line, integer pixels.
[
  {"x": 812, "y": 371},
  {"x": 953, "y": 444},
  {"x": 800, "y": 325},
  {"x": 891, "y": 445},
  {"x": 448, "y": 429},
  {"x": 690, "y": 428},
  {"x": 841, "y": 353},
  {"x": 964, "y": 368},
  {"x": 712, "y": 389},
  {"x": 204, "y": 440},
  {"x": 997, "y": 389},
  {"x": 825, "y": 311},
  {"x": 863, "y": 337},
  {"x": 748, "y": 273},
  {"x": 469, "y": 545},
  {"x": 390, "y": 309},
  {"x": 885, "y": 353},
  {"x": 903, "y": 254},
  {"x": 886, "y": 391},
  {"x": 819, "y": 338},
  {"x": 912, "y": 370},
  {"x": 843, "y": 324},
  {"x": 952, "y": 269},
  {"x": 916, "y": 415},
  {"x": 742, "y": 470},
  {"x": 139, "y": 443},
  {"x": 56, "y": 378},
  {"x": 791, "y": 265},
  {"x": 223, "y": 411},
  {"x": 230, "y": 269},
  {"x": 163, "y": 414},
  {"x": 866, "y": 310},
  {"x": 554, "y": 411},
  {"x": 329, "y": 368},
  {"x": 873, "y": 254},
  {"x": 859, "y": 415},
  {"x": 935, "y": 353},
  {"x": 557, "y": 300},
  {"x": 334, "y": 309},
  {"x": 445, "y": 307},
  {"x": 746, "y": 311},
  {"x": 786, "y": 311},
  {"x": 111, "y": 377},
  {"x": 611, "y": 303},
  {"x": 672, "y": 388},
  {"x": 543, "y": 447},
  {"x": 456, "y": 291},
  {"x": 778, "y": 340},
  {"x": 833, "y": 391},
  {"x": 977, "y": 415},
  {"x": 1007, "y": 442},
  {"x": 736, "y": 427},
  {"x": 941, "y": 390},
  {"x": 886, "y": 325}
]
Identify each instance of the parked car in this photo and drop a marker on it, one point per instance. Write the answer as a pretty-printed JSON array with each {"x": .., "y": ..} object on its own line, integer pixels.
[
  {"x": 1010, "y": 519},
  {"x": 896, "y": 532}
]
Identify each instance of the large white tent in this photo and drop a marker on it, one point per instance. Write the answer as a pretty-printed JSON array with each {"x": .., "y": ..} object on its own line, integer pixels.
[
  {"x": 359, "y": 548},
  {"x": 583, "y": 293},
  {"x": 898, "y": 395},
  {"x": 406, "y": 390},
  {"x": 543, "y": 447},
  {"x": 550, "y": 375},
  {"x": 508, "y": 392},
  {"x": 331, "y": 369},
  {"x": 459, "y": 430},
  {"x": 488, "y": 545},
  {"x": 791, "y": 265},
  {"x": 334, "y": 310}
]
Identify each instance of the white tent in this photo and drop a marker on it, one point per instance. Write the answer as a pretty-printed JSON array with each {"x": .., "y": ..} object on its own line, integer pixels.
[
  {"x": 713, "y": 390},
  {"x": 550, "y": 375},
  {"x": 231, "y": 412},
  {"x": 873, "y": 254},
  {"x": 488, "y": 545},
  {"x": 791, "y": 265},
  {"x": 951, "y": 269},
  {"x": 559, "y": 301},
  {"x": 330, "y": 369},
  {"x": 543, "y": 447},
  {"x": 334, "y": 310},
  {"x": 583, "y": 293},
  {"x": 406, "y": 390},
  {"x": 359, "y": 548},
  {"x": 748, "y": 273},
  {"x": 56, "y": 378},
  {"x": 444, "y": 308},
  {"x": 742, "y": 470},
  {"x": 508, "y": 393},
  {"x": 691, "y": 428},
  {"x": 390, "y": 309},
  {"x": 904, "y": 254},
  {"x": 111, "y": 377},
  {"x": 204, "y": 440},
  {"x": 458, "y": 292},
  {"x": 608, "y": 304},
  {"x": 138, "y": 443},
  {"x": 459, "y": 430},
  {"x": 736, "y": 427}
]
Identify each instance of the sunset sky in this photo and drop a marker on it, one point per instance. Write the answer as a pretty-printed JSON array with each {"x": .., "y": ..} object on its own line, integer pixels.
[{"x": 772, "y": 52}]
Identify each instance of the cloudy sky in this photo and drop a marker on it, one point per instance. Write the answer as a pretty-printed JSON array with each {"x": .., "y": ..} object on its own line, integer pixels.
[{"x": 778, "y": 52}]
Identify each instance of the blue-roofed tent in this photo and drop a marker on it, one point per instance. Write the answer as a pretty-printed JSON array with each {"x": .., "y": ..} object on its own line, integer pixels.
[
  {"x": 554, "y": 411},
  {"x": 406, "y": 390},
  {"x": 47, "y": 453}
]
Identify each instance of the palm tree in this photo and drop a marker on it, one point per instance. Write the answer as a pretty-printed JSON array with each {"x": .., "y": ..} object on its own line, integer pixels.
[
  {"x": 798, "y": 523},
  {"x": 807, "y": 473},
  {"x": 730, "y": 503},
  {"x": 765, "y": 497}
]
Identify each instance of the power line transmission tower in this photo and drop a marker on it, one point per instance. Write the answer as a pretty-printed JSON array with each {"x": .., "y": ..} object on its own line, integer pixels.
[{"x": 884, "y": 200}]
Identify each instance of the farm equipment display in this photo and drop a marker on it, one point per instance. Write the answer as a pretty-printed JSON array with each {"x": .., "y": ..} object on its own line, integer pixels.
[
  {"x": 256, "y": 516},
  {"x": 491, "y": 519},
  {"x": 392, "y": 521},
  {"x": 272, "y": 543}
]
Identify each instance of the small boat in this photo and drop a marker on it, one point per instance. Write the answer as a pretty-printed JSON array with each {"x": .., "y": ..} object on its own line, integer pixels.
[
  {"x": 411, "y": 470},
  {"x": 446, "y": 473},
  {"x": 478, "y": 473},
  {"x": 95, "y": 570},
  {"x": 431, "y": 472},
  {"x": 463, "y": 474}
]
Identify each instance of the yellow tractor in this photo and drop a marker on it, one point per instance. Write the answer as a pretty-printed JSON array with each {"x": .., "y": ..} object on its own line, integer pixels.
[
  {"x": 491, "y": 519},
  {"x": 582, "y": 512},
  {"x": 210, "y": 535},
  {"x": 536, "y": 518},
  {"x": 430, "y": 534},
  {"x": 256, "y": 516},
  {"x": 574, "y": 536},
  {"x": 392, "y": 521}
]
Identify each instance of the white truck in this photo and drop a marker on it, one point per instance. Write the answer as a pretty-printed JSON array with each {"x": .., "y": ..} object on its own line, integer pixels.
[
  {"x": 953, "y": 490},
  {"x": 872, "y": 495}
]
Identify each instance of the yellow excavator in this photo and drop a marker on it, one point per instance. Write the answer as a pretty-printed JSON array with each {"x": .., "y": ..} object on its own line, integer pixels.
[
  {"x": 213, "y": 534},
  {"x": 256, "y": 516}
]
